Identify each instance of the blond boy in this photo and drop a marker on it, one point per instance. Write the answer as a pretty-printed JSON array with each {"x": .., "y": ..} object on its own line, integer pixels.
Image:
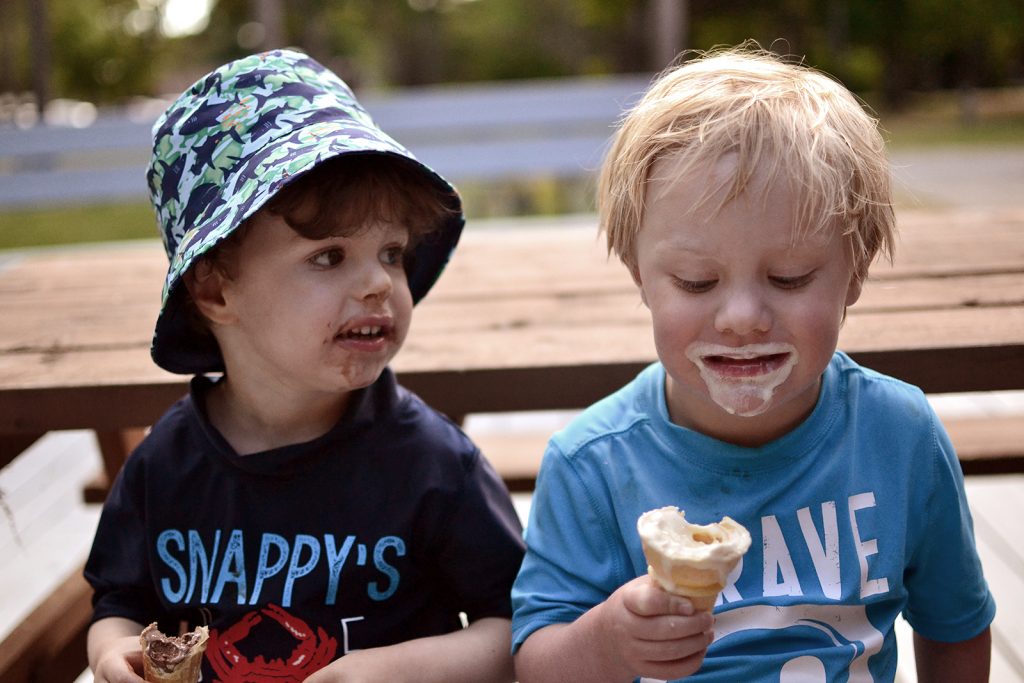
[{"x": 748, "y": 195}]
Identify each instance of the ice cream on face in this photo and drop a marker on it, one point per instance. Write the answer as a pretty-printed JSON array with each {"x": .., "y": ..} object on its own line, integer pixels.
[
  {"x": 743, "y": 379},
  {"x": 691, "y": 560}
]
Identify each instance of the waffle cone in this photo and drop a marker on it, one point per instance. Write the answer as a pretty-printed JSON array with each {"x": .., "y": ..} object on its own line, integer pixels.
[
  {"x": 700, "y": 586},
  {"x": 187, "y": 670},
  {"x": 691, "y": 560}
]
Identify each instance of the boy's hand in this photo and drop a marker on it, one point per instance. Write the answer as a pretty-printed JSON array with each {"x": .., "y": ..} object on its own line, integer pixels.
[
  {"x": 115, "y": 654},
  {"x": 640, "y": 630},
  {"x": 650, "y": 632},
  {"x": 119, "y": 661}
]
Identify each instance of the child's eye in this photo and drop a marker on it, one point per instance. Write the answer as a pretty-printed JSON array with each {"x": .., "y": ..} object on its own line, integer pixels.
[
  {"x": 394, "y": 255},
  {"x": 695, "y": 286},
  {"x": 328, "y": 258},
  {"x": 795, "y": 282}
]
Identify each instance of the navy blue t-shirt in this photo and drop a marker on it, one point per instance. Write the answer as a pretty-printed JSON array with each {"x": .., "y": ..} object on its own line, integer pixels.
[{"x": 384, "y": 529}]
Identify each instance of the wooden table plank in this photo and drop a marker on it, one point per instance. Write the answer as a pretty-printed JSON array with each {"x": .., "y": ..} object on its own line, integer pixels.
[
  {"x": 437, "y": 346},
  {"x": 63, "y": 391},
  {"x": 136, "y": 298},
  {"x": 533, "y": 318},
  {"x": 119, "y": 312}
]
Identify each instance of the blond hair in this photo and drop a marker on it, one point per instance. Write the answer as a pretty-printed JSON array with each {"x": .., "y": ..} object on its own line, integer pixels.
[{"x": 776, "y": 116}]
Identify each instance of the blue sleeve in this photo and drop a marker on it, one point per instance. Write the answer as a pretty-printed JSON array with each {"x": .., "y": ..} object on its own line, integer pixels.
[
  {"x": 574, "y": 558},
  {"x": 948, "y": 598}
]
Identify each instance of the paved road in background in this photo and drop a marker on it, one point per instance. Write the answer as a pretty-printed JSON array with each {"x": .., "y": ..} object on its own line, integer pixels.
[{"x": 959, "y": 177}]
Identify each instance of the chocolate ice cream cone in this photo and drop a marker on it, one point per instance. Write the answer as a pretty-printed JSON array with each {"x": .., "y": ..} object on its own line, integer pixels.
[{"x": 168, "y": 659}]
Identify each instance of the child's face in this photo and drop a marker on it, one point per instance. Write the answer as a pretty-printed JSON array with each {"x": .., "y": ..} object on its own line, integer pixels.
[
  {"x": 745, "y": 319},
  {"x": 323, "y": 315}
]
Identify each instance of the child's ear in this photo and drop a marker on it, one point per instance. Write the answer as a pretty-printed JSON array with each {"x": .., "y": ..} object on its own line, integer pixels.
[
  {"x": 205, "y": 284},
  {"x": 853, "y": 289}
]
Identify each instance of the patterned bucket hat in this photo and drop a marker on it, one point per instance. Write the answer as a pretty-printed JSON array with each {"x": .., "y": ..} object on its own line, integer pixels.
[{"x": 230, "y": 143}]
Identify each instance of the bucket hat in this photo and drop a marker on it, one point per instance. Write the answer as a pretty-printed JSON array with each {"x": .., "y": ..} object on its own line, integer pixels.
[{"x": 228, "y": 144}]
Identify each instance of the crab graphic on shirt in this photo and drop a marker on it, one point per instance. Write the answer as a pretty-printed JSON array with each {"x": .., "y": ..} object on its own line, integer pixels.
[{"x": 314, "y": 650}]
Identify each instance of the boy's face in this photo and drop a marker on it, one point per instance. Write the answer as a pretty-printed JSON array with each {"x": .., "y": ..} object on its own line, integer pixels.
[
  {"x": 745, "y": 319},
  {"x": 316, "y": 315}
]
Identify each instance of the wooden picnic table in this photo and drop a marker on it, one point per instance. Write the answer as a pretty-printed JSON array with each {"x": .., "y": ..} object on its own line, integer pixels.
[{"x": 530, "y": 315}]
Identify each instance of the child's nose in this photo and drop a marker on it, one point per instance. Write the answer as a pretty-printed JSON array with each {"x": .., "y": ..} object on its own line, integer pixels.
[
  {"x": 374, "y": 282},
  {"x": 743, "y": 312}
]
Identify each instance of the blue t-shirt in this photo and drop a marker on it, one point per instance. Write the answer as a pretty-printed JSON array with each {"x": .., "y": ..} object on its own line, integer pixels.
[{"x": 856, "y": 515}]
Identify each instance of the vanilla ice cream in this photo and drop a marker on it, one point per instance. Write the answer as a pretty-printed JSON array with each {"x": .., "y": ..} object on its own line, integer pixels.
[{"x": 691, "y": 560}]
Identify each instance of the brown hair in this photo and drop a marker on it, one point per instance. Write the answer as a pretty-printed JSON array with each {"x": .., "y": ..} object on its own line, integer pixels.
[
  {"x": 342, "y": 196},
  {"x": 345, "y": 195}
]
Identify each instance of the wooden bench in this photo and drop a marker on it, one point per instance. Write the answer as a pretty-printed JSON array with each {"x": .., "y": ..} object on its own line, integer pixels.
[{"x": 49, "y": 645}]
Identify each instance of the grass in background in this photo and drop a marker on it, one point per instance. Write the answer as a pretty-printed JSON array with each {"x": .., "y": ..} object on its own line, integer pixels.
[
  {"x": 76, "y": 224},
  {"x": 907, "y": 132},
  {"x": 991, "y": 117}
]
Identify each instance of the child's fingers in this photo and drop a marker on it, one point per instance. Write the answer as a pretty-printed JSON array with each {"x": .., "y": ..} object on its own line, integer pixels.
[
  {"x": 116, "y": 672},
  {"x": 134, "y": 659},
  {"x": 679, "y": 648},
  {"x": 669, "y": 628},
  {"x": 669, "y": 670},
  {"x": 672, "y": 658},
  {"x": 645, "y": 598}
]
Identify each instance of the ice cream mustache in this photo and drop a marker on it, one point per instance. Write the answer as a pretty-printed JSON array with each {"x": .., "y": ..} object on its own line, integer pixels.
[{"x": 743, "y": 379}]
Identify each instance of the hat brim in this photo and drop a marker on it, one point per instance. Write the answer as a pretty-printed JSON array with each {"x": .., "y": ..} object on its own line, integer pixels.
[{"x": 179, "y": 348}]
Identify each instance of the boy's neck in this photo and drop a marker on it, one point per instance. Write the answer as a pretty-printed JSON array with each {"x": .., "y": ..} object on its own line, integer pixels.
[{"x": 259, "y": 421}]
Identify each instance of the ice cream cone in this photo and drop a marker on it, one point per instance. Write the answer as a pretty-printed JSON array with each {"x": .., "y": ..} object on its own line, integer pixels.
[
  {"x": 691, "y": 560},
  {"x": 168, "y": 659}
]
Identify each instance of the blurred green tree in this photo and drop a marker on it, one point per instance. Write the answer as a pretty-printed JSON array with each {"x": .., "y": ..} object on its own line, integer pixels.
[{"x": 104, "y": 50}]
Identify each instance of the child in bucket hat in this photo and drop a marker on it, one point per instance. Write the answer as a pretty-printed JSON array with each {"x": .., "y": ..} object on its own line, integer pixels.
[{"x": 321, "y": 520}]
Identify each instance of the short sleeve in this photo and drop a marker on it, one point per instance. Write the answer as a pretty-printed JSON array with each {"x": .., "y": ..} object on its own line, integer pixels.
[
  {"x": 574, "y": 558},
  {"x": 117, "y": 567},
  {"x": 482, "y": 545},
  {"x": 948, "y": 597}
]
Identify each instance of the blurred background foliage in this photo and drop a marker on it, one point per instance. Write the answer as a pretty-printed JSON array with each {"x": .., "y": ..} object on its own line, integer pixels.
[
  {"x": 938, "y": 72},
  {"x": 107, "y": 50}
]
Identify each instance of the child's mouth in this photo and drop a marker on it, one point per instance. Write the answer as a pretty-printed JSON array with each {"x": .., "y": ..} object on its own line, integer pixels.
[
  {"x": 744, "y": 366},
  {"x": 742, "y": 380},
  {"x": 366, "y": 333},
  {"x": 370, "y": 335}
]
